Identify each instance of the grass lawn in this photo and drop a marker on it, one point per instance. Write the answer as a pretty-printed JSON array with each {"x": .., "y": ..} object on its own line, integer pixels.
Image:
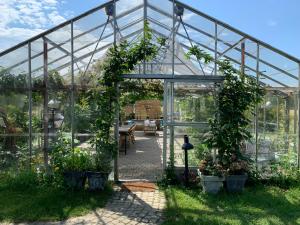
[
  {"x": 256, "y": 205},
  {"x": 43, "y": 204}
]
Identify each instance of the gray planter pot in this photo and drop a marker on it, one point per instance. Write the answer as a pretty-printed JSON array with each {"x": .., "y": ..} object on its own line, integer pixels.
[
  {"x": 236, "y": 183},
  {"x": 97, "y": 180},
  {"x": 211, "y": 184},
  {"x": 74, "y": 180}
]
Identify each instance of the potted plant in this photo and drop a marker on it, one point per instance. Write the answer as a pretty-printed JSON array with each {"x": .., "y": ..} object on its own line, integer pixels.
[
  {"x": 100, "y": 166},
  {"x": 236, "y": 98},
  {"x": 210, "y": 171},
  {"x": 237, "y": 174},
  {"x": 74, "y": 167}
]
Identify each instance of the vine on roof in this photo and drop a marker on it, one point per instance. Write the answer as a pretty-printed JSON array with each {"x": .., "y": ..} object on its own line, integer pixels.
[{"x": 120, "y": 59}]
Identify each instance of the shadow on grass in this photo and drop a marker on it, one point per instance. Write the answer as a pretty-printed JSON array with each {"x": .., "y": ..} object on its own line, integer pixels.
[
  {"x": 48, "y": 204},
  {"x": 256, "y": 205}
]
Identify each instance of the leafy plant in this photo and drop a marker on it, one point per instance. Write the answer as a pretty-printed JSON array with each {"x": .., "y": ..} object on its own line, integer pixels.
[
  {"x": 207, "y": 165},
  {"x": 238, "y": 95},
  {"x": 120, "y": 59},
  {"x": 78, "y": 160}
]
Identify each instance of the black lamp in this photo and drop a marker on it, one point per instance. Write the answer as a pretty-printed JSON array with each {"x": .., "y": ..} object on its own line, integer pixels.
[{"x": 186, "y": 146}]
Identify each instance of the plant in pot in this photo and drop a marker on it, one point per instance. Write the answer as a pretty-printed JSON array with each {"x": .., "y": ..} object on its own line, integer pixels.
[
  {"x": 210, "y": 171},
  {"x": 74, "y": 166},
  {"x": 237, "y": 173},
  {"x": 100, "y": 166},
  {"x": 236, "y": 99}
]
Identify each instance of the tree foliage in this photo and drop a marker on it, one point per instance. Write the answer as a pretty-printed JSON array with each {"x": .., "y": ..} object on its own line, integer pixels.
[
  {"x": 120, "y": 59},
  {"x": 238, "y": 95}
]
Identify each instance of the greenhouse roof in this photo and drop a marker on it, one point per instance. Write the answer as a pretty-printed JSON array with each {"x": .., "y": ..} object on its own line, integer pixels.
[{"x": 73, "y": 46}]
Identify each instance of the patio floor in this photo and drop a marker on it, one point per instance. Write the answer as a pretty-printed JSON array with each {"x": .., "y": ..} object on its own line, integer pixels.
[{"x": 143, "y": 160}]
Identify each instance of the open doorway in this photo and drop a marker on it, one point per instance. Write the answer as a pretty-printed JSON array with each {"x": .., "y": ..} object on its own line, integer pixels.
[{"x": 141, "y": 130}]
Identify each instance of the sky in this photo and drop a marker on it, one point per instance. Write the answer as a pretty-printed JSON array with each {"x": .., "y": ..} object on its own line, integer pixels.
[{"x": 276, "y": 22}]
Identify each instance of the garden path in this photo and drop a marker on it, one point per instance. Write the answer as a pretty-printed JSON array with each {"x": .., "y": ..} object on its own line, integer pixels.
[
  {"x": 143, "y": 160},
  {"x": 124, "y": 208}
]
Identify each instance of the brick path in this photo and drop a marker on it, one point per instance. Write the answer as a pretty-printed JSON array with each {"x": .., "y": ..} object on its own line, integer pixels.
[
  {"x": 143, "y": 159},
  {"x": 124, "y": 208}
]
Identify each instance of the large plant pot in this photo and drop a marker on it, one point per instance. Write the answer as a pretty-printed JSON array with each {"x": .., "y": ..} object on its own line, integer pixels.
[
  {"x": 75, "y": 180},
  {"x": 211, "y": 184},
  {"x": 97, "y": 180},
  {"x": 236, "y": 183}
]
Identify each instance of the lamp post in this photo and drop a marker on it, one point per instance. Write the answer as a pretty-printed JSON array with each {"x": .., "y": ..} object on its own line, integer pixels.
[
  {"x": 186, "y": 146},
  {"x": 56, "y": 117}
]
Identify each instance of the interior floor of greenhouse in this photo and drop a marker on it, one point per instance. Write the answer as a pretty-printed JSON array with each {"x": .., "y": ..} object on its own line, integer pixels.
[{"x": 143, "y": 160}]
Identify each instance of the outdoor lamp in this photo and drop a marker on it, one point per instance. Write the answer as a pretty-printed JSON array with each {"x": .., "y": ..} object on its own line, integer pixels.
[
  {"x": 53, "y": 104},
  {"x": 186, "y": 146},
  {"x": 58, "y": 120}
]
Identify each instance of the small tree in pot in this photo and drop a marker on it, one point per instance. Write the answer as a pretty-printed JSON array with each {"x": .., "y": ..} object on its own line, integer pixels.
[{"x": 229, "y": 129}]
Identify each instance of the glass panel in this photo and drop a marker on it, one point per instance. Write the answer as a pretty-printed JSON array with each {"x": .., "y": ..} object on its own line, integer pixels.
[
  {"x": 195, "y": 134},
  {"x": 193, "y": 102},
  {"x": 14, "y": 110}
]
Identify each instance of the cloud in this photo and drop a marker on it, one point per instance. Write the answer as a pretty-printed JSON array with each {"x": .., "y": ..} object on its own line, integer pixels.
[
  {"x": 20, "y": 20},
  {"x": 272, "y": 23}
]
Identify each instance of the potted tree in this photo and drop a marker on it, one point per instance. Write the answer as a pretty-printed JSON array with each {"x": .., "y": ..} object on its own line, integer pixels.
[
  {"x": 74, "y": 165},
  {"x": 100, "y": 166},
  {"x": 229, "y": 129}
]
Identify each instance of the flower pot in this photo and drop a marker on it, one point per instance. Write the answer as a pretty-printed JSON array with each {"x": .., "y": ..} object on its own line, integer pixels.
[
  {"x": 97, "y": 180},
  {"x": 236, "y": 183},
  {"x": 74, "y": 179},
  {"x": 211, "y": 184}
]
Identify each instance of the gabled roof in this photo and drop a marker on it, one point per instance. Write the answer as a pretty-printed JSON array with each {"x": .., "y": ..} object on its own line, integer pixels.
[{"x": 85, "y": 39}]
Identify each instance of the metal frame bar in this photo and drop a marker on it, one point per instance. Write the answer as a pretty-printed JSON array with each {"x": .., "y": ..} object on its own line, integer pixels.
[
  {"x": 72, "y": 84},
  {"x": 45, "y": 108},
  {"x": 233, "y": 60},
  {"x": 256, "y": 107},
  {"x": 227, "y": 26},
  {"x": 117, "y": 112},
  {"x": 30, "y": 104},
  {"x": 41, "y": 35},
  {"x": 82, "y": 34},
  {"x": 298, "y": 152},
  {"x": 227, "y": 57},
  {"x": 92, "y": 43},
  {"x": 227, "y": 44},
  {"x": 230, "y": 48}
]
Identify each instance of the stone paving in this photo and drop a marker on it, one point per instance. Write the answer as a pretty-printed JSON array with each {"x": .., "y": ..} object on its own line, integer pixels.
[
  {"x": 124, "y": 208},
  {"x": 143, "y": 160}
]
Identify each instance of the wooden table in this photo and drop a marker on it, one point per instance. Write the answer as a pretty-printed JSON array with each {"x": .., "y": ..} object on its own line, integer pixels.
[{"x": 125, "y": 131}]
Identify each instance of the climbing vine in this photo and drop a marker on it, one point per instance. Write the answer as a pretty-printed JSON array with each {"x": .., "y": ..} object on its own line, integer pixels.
[{"x": 120, "y": 59}]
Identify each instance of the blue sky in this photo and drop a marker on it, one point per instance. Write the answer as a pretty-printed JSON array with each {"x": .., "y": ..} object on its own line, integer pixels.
[{"x": 276, "y": 22}]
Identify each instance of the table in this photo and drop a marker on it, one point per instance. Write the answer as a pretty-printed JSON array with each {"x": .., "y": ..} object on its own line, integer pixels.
[{"x": 125, "y": 130}]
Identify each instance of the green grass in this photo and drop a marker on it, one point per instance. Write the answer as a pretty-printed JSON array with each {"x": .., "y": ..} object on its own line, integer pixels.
[
  {"x": 47, "y": 204},
  {"x": 256, "y": 205}
]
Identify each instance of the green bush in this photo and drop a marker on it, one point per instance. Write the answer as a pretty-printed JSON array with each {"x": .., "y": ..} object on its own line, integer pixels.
[
  {"x": 77, "y": 160},
  {"x": 21, "y": 180}
]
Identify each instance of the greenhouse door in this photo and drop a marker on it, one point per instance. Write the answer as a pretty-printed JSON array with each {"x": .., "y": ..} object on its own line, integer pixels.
[{"x": 188, "y": 105}]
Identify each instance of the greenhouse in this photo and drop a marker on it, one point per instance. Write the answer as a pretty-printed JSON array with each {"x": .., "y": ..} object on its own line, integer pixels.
[
  {"x": 148, "y": 112},
  {"x": 44, "y": 83}
]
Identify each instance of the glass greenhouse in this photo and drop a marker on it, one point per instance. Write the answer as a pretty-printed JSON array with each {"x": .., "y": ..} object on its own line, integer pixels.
[{"x": 42, "y": 81}]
